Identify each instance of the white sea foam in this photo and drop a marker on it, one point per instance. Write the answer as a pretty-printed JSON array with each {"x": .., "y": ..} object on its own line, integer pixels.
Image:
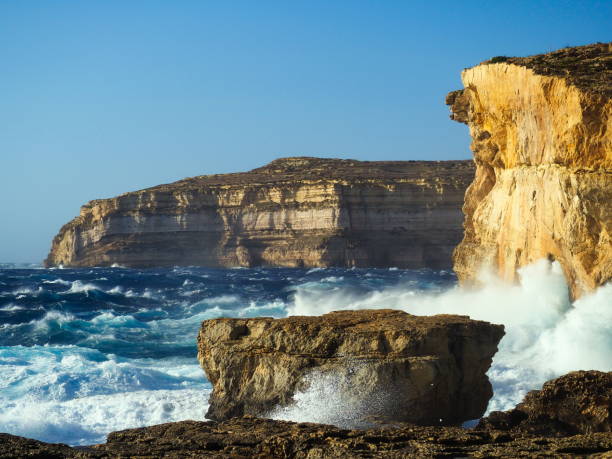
[
  {"x": 88, "y": 420},
  {"x": 148, "y": 294},
  {"x": 546, "y": 335},
  {"x": 223, "y": 299},
  {"x": 25, "y": 291},
  {"x": 79, "y": 287},
  {"x": 274, "y": 309},
  {"x": 192, "y": 292},
  {"x": 50, "y": 319},
  {"x": 333, "y": 279},
  {"x": 108, "y": 319},
  {"x": 11, "y": 307},
  {"x": 79, "y": 395},
  {"x": 334, "y": 398},
  {"x": 57, "y": 281}
]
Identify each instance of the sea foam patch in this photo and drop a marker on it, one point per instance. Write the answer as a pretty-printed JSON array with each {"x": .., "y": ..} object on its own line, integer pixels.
[
  {"x": 79, "y": 395},
  {"x": 87, "y": 420},
  {"x": 546, "y": 335}
]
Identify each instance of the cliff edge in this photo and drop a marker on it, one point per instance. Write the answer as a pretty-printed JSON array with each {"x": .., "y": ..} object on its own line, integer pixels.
[
  {"x": 542, "y": 140},
  {"x": 297, "y": 212}
]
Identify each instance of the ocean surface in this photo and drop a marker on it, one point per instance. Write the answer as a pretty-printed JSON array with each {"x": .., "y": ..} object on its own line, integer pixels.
[{"x": 84, "y": 352}]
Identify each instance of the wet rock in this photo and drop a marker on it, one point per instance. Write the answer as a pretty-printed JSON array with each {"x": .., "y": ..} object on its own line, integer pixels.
[
  {"x": 579, "y": 402},
  {"x": 382, "y": 365}
]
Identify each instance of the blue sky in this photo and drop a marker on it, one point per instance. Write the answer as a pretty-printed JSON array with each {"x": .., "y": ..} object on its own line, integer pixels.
[{"x": 104, "y": 97}]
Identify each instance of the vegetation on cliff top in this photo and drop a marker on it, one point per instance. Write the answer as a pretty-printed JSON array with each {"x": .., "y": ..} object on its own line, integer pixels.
[
  {"x": 587, "y": 67},
  {"x": 306, "y": 168}
]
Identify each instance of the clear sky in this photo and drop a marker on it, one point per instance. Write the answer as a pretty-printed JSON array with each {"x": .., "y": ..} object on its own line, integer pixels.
[{"x": 103, "y": 97}]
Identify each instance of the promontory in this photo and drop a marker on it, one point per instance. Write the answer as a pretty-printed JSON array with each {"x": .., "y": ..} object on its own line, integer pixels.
[
  {"x": 541, "y": 130},
  {"x": 295, "y": 212}
]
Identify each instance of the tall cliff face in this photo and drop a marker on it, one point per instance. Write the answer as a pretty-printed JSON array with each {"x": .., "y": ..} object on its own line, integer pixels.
[
  {"x": 542, "y": 142},
  {"x": 307, "y": 212}
]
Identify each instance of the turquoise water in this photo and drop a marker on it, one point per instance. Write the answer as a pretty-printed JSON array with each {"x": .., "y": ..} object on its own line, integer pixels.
[{"x": 84, "y": 352}]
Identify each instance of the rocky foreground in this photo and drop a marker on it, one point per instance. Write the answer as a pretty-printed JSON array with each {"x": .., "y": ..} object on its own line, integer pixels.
[
  {"x": 585, "y": 395},
  {"x": 542, "y": 141},
  {"x": 382, "y": 365},
  {"x": 297, "y": 212}
]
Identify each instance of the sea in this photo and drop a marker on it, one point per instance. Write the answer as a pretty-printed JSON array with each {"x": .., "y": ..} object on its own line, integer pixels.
[{"x": 84, "y": 352}]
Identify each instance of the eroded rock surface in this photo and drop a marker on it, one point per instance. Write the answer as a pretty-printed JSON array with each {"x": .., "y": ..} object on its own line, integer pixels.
[
  {"x": 264, "y": 438},
  {"x": 385, "y": 365},
  {"x": 579, "y": 399},
  {"x": 579, "y": 402},
  {"x": 542, "y": 140},
  {"x": 307, "y": 212},
  {"x": 12, "y": 446}
]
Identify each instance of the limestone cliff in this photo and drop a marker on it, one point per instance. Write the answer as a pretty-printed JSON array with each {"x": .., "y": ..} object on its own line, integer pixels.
[
  {"x": 542, "y": 142},
  {"x": 381, "y": 364},
  {"x": 304, "y": 211}
]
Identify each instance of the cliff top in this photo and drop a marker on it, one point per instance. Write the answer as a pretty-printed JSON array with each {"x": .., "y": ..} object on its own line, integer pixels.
[
  {"x": 305, "y": 168},
  {"x": 587, "y": 67}
]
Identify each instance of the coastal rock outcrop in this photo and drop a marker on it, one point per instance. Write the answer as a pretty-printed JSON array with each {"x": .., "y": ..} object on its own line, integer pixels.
[
  {"x": 578, "y": 402},
  {"x": 542, "y": 140},
  {"x": 250, "y": 437},
  {"x": 295, "y": 212},
  {"x": 384, "y": 365}
]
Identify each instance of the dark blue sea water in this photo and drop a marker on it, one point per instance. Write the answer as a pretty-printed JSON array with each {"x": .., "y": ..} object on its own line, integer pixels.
[
  {"x": 87, "y": 351},
  {"x": 84, "y": 352}
]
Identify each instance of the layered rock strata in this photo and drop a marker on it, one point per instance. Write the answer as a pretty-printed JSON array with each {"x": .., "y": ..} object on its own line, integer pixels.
[
  {"x": 294, "y": 212},
  {"x": 542, "y": 140},
  {"x": 383, "y": 365}
]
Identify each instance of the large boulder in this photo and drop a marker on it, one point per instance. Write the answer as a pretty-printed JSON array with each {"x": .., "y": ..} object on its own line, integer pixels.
[
  {"x": 382, "y": 364},
  {"x": 578, "y": 402}
]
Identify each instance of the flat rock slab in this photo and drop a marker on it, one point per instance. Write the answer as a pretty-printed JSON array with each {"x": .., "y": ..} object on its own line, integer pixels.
[{"x": 384, "y": 365}]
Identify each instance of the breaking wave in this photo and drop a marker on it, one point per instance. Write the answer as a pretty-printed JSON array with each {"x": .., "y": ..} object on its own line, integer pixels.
[
  {"x": 84, "y": 352},
  {"x": 546, "y": 335}
]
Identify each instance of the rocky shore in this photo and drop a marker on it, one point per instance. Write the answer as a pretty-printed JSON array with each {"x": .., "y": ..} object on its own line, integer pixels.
[
  {"x": 297, "y": 212},
  {"x": 433, "y": 363},
  {"x": 249, "y": 437}
]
